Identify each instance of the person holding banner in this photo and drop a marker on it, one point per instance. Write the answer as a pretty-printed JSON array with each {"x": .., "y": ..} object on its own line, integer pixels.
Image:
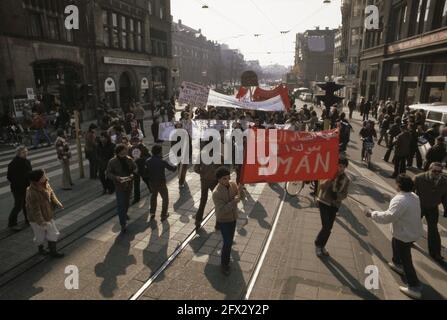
[{"x": 330, "y": 196}]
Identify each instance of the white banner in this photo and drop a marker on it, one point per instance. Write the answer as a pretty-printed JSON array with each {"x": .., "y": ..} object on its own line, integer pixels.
[{"x": 221, "y": 100}]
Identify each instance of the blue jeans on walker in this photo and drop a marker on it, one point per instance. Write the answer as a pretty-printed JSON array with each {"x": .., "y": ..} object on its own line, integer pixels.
[
  {"x": 38, "y": 136},
  {"x": 227, "y": 229},
  {"x": 122, "y": 202}
]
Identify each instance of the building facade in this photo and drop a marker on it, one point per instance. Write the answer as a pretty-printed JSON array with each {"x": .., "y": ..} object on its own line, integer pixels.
[
  {"x": 195, "y": 58},
  {"x": 348, "y": 43},
  {"x": 406, "y": 60},
  {"x": 121, "y": 53},
  {"x": 314, "y": 57}
]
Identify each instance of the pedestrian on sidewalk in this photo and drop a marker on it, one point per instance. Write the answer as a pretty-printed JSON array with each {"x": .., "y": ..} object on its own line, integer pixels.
[
  {"x": 345, "y": 129},
  {"x": 64, "y": 156},
  {"x": 393, "y": 132},
  {"x": 121, "y": 170},
  {"x": 366, "y": 110},
  {"x": 105, "y": 152},
  {"x": 183, "y": 167},
  {"x": 404, "y": 213},
  {"x": 40, "y": 125},
  {"x": 139, "y": 117},
  {"x": 437, "y": 153},
  {"x": 351, "y": 106},
  {"x": 384, "y": 127},
  {"x": 155, "y": 171},
  {"x": 225, "y": 198},
  {"x": 330, "y": 197},
  {"x": 155, "y": 127},
  {"x": 431, "y": 187},
  {"x": 139, "y": 153},
  {"x": 40, "y": 204},
  {"x": 402, "y": 151},
  {"x": 208, "y": 182},
  {"x": 18, "y": 175},
  {"x": 414, "y": 147},
  {"x": 91, "y": 147}
]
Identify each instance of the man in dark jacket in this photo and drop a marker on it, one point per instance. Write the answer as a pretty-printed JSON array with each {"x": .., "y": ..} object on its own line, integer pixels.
[
  {"x": 155, "y": 171},
  {"x": 431, "y": 187},
  {"x": 121, "y": 170},
  {"x": 437, "y": 153},
  {"x": 18, "y": 171},
  {"x": 414, "y": 147},
  {"x": 139, "y": 153},
  {"x": 402, "y": 151},
  {"x": 105, "y": 151},
  {"x": 155, "y": 127},
  {"x": 351, "y": 106},
  {"x": 366, "y": 110},
  {"x": 393, "y": 133}
]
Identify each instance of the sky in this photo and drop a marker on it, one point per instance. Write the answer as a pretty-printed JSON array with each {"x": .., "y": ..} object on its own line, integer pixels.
[{"x": 235, "y": 22}]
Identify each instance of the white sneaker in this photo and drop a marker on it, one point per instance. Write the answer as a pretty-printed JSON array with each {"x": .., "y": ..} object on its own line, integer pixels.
[
  {"x": 396, "y": 268},
  {"x": 412, "y": 292},
  {"x": 321, "y": 252}
]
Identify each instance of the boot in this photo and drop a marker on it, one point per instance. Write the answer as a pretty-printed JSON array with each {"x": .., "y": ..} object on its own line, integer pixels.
[
  {"x": 42, "y": 250},
  {"x": 53, "y": 251}
]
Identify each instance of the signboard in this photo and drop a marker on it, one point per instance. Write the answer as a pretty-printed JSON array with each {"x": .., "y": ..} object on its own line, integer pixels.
[
  {"x": 249, "y": 79},
  {"x": 21, "y": 106},
  {"x": 30, "y": 94},
  {"x": 193, "y": 94},
  {"x": 175, "y": 72},
  {"x": 109, "y": 85},
  {"x": 144, "y": 84},
  {"x": 128, "y": 62},
  {"x": 420, "y": 41},
  {"x": 274, "y": 104}
]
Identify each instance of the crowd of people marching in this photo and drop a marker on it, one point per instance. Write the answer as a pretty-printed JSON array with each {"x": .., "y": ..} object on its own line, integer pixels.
[{"x": 120, "y": 159}]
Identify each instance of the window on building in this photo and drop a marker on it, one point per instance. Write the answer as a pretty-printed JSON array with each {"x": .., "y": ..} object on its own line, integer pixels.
[
  {"x": 162, "y": 10},
  {"x": 150, "y": 7},
  {"x": 115, "y": 31},
  {"x": 53, "y": 28},
  {"x": 139, "y": 36},
  {"x": 36, "y": 29},
  {"x": 131, "y": 34},
  {"x": 440, "y": 14},
  {"x": 106, "y": 29},
  {"x": 123, "y": 33}
]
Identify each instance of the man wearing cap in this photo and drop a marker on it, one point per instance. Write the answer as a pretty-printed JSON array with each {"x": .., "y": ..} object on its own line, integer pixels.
[{"x": 226, "y": 197}]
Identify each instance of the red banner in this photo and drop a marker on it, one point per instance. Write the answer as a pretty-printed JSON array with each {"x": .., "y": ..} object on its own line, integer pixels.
[{"x": 283, "y": 156}]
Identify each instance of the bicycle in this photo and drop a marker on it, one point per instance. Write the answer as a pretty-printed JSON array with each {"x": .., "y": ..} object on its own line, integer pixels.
[
  {"x": 368, "y": 146},
  {"x": 293, "y": 188}
]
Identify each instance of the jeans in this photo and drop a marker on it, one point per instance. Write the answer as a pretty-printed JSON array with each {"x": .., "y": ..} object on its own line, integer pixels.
[
  {"x": 19, "y": 205},
  {"x": 38, "y": 137},
  {"x": 434, "y": 239},
  {"x": 383, "y": 135},
  {"x": 388, "y": 152},
  {"x": 328, "y": 215},
  {"x": 161, "y": 188},
  {"x": 183, "y": 169},
  {"x": 227, "y": 230},
  {"x": 204, "y": 187},
  {"x": 366, "y": 116},
  {"x": 402, "y": 257},
  {"x": 400, "y": 165},
  {"x": 122, "y": 203}
]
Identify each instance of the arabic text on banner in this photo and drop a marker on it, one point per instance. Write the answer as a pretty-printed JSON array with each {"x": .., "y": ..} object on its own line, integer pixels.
[{"x": 301, "y": 156}]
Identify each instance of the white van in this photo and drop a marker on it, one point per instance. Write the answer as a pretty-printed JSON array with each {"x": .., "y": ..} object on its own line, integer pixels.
[{"x": 435, "y": 112}]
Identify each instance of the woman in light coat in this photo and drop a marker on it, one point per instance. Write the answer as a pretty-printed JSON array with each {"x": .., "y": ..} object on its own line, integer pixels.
[{"x": 41, "y": 202}]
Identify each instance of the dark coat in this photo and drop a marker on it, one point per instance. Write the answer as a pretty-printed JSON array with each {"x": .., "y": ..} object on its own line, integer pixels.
[
  {"x": 403, "y": 144},
  {"x": 155, "y": 170},
  {"x": 105, "y": 153},
  {"x": 18, "y": 171},
  {"x": 430, "y": 195}
]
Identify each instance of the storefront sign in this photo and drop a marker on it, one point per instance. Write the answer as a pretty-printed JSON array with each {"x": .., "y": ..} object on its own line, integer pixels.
[
  {"x": 129, "y": 62},
  {"x": 411, "y": 79},
  {"x": 392, "y": 79},
  {"x": 109, "y": 85},
  {"x": 427, "y": 40},
  {"x": 144, "y": 84}
]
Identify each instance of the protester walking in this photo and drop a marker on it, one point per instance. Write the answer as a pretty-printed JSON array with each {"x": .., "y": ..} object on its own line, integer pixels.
[
  {"x": 139, "y": 117},
  {"x": 330, "y": 197},
  {"x": 225, "y": 198},
  {"x": 91, "y": 146},
  {"x": 105, "y": 152},
  {"x": 121, "y": 170},
  {"x": 39, "y": 124},
  {"x": 40, "y": 204},
  {"x": 437, "y": 153},
  {"x": 404, "y": 213},
  {"x": 139, "y": 153},
  {"x": 401, "y": 152},
  {"x": 155, "y": 171},
  {"x": 64, "y": 156},
  {"x": 431, "y": 187},
  {"x": 18, "y": 175}
]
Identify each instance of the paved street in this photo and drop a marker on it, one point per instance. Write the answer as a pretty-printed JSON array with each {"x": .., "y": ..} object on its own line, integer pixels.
[{"x": 114, "y": 266}]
